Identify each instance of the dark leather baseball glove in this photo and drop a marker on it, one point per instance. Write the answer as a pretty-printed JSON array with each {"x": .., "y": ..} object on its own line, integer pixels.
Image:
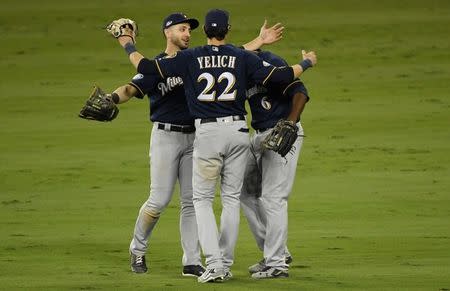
[
  {"x": 99, "y": 107},
  {"x": 282, "y": 137}
]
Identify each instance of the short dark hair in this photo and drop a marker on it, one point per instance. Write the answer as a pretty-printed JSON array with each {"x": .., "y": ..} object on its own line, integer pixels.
[{"x": 218, "y": 33}]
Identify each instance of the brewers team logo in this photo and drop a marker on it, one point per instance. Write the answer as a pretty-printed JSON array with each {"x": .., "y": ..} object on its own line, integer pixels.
[
  {"x": 266, "y": 103},
  {"x": 169, "y": 84},
  {"x": 138, "y": 77}
]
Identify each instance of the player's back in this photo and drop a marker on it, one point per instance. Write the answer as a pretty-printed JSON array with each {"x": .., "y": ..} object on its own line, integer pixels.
[
  {"x": 215, "y": 78},
  {"x": 218, "y": 81},
  {"x": 271, "y": 103}
]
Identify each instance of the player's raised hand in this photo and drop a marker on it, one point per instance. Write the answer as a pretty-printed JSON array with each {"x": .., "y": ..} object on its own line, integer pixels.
[
  {"x": 123, "y": 27},
  {"x": 310, "y": 56},
  {"x": 272, "y": 34},
  {"x": 127, "y": 33},
  {"x": 309, "y": 60}
]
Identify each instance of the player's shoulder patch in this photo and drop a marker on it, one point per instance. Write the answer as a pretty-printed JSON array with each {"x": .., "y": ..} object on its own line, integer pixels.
[
  {"x": 266, "y": 64},
  {"x": 138, "y": 77}
]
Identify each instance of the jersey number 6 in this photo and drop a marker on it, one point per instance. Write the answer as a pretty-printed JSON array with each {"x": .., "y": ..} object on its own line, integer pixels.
[{"x": 209, "y": 96}]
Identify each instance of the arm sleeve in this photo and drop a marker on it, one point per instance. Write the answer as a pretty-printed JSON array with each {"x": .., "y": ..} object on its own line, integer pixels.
[
  {"x": 264, "y": 73},
  {"x": 294, "y": 87},
  {"x": 148, "y": 67},
  {"x": 257, "y": 70},
  {"x": 281, "y": 75},
  {"x": 166, "y": 67},
  {"x": 145, "y": 84},
  {"x": 173, "y": 66}
]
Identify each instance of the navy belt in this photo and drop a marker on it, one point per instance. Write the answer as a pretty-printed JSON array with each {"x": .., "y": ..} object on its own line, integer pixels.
[
  {"x": 208, "y": 120},
  {"x": 177, "y": 128}
]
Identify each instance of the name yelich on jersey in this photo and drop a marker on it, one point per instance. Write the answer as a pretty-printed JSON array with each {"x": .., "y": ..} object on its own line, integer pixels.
[{"x": 218, "y": 61}]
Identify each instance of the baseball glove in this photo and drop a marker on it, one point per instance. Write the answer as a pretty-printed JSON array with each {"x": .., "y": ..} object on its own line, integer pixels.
[
  {"x": 99, "y": 107},
  {"x": 282, "y": 137},
  {"x": 117, "y": 28}
]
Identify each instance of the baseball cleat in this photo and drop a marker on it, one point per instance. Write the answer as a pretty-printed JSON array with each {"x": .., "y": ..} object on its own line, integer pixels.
[
  {"x": 138, "y": 264},
  {"x": 228, "y": 275},
  {"x": 193, "y": 271},
  {"x": 258, "y": 267},
  {"x": 270, "y": 273},
  {"x": 288, "y": 260},
  {"x": 212, "y": 275}
]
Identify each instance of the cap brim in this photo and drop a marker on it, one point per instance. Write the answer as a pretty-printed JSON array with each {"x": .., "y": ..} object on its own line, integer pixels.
[{"x": 192, "y": 22}]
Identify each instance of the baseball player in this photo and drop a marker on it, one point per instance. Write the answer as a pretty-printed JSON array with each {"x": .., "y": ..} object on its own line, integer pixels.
[
  {"x": 171, "y": 149},
  {"x": 215, "y": 77},
  {"x": 171, "y": 145},
  {"x": 269, "y": 177}
]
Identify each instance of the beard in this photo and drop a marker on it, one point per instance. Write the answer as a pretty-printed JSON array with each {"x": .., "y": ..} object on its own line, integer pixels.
[{"x": 182, "y": 44}]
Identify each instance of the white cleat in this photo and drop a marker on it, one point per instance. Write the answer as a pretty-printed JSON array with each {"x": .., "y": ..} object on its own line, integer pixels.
[
  {"x": 258, "y": 267},
  {"x": 270, "y": 273},
  {"x": 212, "y": 275},
  {"x": 228, "y": 275}
]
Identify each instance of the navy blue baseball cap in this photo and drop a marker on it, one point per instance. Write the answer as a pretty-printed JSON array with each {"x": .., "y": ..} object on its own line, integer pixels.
[
  {"x": 176, "y": 18},
  {"x": 217, "y": 18}
]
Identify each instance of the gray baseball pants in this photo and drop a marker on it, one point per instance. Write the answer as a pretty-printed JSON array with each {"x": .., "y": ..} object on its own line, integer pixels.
[
  {"x": 267, "y": 185},
  {"x": 170, "y": 159},
  {"x": 220, "y": 153}
]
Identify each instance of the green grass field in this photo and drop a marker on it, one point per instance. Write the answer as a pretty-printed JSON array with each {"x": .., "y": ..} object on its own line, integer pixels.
[{"x": 370, "y": 208}]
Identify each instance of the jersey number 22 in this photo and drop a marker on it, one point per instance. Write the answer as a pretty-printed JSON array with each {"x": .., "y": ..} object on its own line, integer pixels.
[{"x": 209, "y": 95}]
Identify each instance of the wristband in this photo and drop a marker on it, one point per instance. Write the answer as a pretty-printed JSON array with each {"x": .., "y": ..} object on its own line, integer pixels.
[
  {"x": 130, "y": 48},
  {"x": 305, "y": 64},
  {"x": 115, "y": 98}
]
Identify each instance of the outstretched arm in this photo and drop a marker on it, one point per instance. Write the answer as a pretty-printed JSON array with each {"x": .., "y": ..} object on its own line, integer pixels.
[
  {"x": 139, "y": 61},
  {"x": 126, "y": 41},
  {"x": 286, "y": 75},
  {"x": 309, "y": 60},
  {"x": 124, "y": 93},
  {"x": 267, "y": 35}
]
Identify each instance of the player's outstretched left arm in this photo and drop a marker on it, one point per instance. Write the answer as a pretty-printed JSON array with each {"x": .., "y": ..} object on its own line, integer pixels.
[
  {"x": 267, "y": 35},
  {"x": 126, "y": 40},
  {"x": 126, "y": 35},
  {"x": 141, "y": 63},
  {"x": 285, "y": 75},
  {"x": 125, "y": 30},
  {"x": 309, "y": 60}
]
